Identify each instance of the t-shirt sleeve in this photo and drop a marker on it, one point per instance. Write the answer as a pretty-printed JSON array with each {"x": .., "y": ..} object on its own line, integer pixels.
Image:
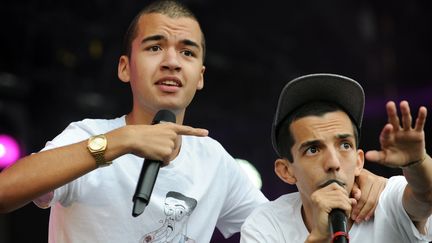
[
  {"x": 258, "y": 228},
  {"x": 73, "y": 133},
  {"x": 392, "y": 197},
  {"x": 242, "y": 198}
]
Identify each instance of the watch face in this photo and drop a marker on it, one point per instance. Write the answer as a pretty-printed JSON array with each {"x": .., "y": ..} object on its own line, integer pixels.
[{"x": 97, "y": 143}]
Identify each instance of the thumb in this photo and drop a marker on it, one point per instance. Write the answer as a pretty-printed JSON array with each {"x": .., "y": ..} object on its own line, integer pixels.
[{"x": 374, "y": 156}]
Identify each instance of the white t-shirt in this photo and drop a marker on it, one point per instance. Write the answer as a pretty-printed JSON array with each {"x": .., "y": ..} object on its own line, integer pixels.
[
  {"x": 202, "y": 188},
  {"x": 281, "y": 220}
]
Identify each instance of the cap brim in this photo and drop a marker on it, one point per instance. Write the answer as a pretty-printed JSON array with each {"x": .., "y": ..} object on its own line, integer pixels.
[{"x": 338, "y": 89}]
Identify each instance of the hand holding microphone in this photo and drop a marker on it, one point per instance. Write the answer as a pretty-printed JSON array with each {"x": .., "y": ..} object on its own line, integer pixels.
[
  {"x": 149, "y": 171},
  {"x": 337, "y": 219},
  {"x": 338, "y": 222},
  {"x": 151, "y": 167}
]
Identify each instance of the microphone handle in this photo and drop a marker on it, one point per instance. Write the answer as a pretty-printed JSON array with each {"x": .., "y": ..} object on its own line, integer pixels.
[
  {"x": 143, "y": 191},
  {"x": 149, "y": 171},
  {"x": 338, "y": 226}
]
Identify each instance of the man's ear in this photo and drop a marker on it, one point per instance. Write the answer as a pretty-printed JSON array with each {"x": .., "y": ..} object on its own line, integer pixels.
[
  {"x": 284, "y": 169},
  {"x": 200, "y": 83},
  {"x": 123, "y": 71},
  {"x": 360, "y": 162}
]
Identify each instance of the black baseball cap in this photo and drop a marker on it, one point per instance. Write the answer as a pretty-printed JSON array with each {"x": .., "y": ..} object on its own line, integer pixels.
[{"x": 338, "y": 89}]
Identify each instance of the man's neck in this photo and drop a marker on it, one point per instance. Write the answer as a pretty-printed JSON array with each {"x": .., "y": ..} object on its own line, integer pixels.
[{"x": 146, "y": 118}]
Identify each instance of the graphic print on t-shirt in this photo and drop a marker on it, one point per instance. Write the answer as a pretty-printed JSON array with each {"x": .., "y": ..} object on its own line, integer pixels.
[{"x": 177, "y": 210}]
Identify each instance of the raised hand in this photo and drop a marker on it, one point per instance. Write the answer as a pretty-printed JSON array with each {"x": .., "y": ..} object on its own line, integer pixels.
[{"x": 401, "y": 144}]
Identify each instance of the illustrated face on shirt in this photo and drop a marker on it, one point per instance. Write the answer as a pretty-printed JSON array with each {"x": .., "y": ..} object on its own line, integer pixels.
[
  {"x": 176, "y": 209},
  {"x": 324, "y": 149},
  {"x": 165, "y": 67}
]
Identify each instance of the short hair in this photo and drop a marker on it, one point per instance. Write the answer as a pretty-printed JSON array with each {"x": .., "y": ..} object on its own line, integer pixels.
[
  {"x": 170, "y": 8},
  {"x": 285, "y": 140}
]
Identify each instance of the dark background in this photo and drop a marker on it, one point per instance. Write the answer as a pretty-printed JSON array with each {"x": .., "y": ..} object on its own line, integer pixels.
[{"x": 58, "y": 64}]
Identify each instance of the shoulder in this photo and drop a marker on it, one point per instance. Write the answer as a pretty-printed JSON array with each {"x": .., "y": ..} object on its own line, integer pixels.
[
  {"x": 391, "y": 197},
  {"x": 99, "y": 125},
  {"x": 80, "y": 130},
  {"x": 397, "y": 181},
  {"x": 208, "y": 150},
  {"x": 202, "y": 141},
  {"x": 272, "y": 221},
  {"x": 284, "y": 205},
  {"x": 206, "y": 145},
  {"x": 394, "y": 188}
]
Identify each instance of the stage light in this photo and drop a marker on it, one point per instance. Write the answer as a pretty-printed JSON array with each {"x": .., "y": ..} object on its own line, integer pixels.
[
  {"x": 9, "y": 150},
  {"x": 251, "y": 171}
]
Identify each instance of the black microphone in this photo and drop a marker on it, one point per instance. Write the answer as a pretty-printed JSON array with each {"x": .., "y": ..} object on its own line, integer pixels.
[
  {"x": 338, "y": 226},
  {"x": 149, "y": 171}
]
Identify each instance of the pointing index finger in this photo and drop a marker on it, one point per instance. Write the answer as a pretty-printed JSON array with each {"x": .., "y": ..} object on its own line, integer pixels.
[{"x": 188, "y": 130}]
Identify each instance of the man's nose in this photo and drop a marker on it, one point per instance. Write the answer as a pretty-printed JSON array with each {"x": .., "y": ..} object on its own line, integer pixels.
[
  {"x": 171, "y": 60},
  {"x": 332, "y": 160}
]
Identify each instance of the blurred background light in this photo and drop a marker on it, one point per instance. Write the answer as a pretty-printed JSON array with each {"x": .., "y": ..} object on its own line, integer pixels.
[
  {"x": 251, "y": 171},
  {"x": 9, "y": 150}
]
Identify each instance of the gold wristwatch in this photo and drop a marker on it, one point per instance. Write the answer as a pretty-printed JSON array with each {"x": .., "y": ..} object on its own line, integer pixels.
[{"x": 97, "y": 146}]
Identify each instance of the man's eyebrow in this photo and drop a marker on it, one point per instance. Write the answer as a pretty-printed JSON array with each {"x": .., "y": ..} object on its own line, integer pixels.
[
  {"x": 316, "y": 143},
  {"x": 152, "y": 38},
  {"x": 310, "y": 143},
  {"x": 344, "y": 135},
  {"x": 188, "y": 42}
]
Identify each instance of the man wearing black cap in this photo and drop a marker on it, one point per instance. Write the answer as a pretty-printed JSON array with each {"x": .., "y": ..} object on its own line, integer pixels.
[{"x": 316, "y": 135}]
